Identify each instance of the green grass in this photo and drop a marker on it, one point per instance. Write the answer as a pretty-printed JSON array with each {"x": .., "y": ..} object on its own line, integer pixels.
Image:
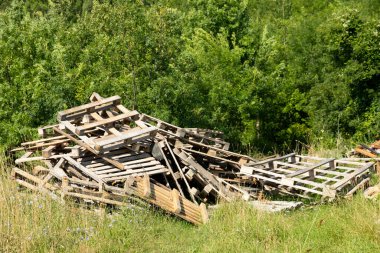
[{"x": 34, "y": 223}]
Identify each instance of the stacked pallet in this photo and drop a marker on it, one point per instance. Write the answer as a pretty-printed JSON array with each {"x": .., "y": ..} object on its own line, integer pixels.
[{"x": 106, "y": 154}]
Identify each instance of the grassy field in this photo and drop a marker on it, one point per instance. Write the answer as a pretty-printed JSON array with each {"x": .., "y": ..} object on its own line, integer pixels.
[{"x": 33, "y": 223}]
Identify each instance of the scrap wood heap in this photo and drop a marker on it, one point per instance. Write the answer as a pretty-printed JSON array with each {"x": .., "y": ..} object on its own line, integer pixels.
[
  {"x": 106, "y": 154},
  {"x": 372, "y": 151}
]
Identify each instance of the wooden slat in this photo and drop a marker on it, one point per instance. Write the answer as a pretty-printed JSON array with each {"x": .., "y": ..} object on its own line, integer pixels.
[
  {"x": 302, "y": 171},
  {"x": 99, "y": 143},
  {"x": 83, "y": 169},
  {"x": 352, "y": 175},
  {"x": 149, "y": 170},
  {"x": 81, "y": 129}
]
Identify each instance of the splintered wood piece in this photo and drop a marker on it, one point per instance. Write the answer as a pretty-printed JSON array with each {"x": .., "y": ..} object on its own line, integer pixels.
[
  {"x": 202, "y": 171},
  {"x": 57, "y": 171}
]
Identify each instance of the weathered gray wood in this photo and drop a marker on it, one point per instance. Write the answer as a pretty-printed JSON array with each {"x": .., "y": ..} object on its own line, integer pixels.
[
  {"x": 46, "y": 152},
  {"x": 159, "y": 169},
  {"x": 300, "y": 172},
  {"x": 125, "y": 136},
  {"x": 350, "y": 176},
  {"x": 83, "y": 169}
]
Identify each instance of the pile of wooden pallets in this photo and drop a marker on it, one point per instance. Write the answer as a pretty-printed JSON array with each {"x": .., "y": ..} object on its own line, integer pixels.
[{"x": 105, "y": 154}]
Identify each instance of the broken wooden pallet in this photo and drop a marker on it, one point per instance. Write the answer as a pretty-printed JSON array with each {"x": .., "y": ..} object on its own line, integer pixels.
[{"x": 307, "y": 176}]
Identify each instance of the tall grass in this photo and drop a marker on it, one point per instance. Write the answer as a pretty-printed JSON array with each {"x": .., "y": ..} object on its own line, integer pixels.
[{"x": 34, "y": 223}]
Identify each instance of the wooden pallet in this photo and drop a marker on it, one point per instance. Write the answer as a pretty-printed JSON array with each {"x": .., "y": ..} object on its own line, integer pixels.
[
  {"x": 307, "y": 176},
  {"x": 104, "y": 124},
  {"x": 142, "y": 187}
]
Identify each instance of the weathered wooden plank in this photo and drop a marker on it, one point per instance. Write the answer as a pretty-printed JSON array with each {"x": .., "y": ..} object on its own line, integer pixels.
[
  {"x": 81, "y": 129},
  {"x": 57, "y": 171},
  {"x": 159, "y": 146},
  {"x": 100, "y": 142},
  {"x": 109, "y": 169},
  {"x": 134, "y": 169}
]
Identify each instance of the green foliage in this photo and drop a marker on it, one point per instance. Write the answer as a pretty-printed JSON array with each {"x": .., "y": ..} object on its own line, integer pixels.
[{"x": 268, "y": 73}]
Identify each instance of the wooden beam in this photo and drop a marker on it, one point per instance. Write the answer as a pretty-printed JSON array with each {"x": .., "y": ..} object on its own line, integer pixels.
[{"x": 46, "y": 152}]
